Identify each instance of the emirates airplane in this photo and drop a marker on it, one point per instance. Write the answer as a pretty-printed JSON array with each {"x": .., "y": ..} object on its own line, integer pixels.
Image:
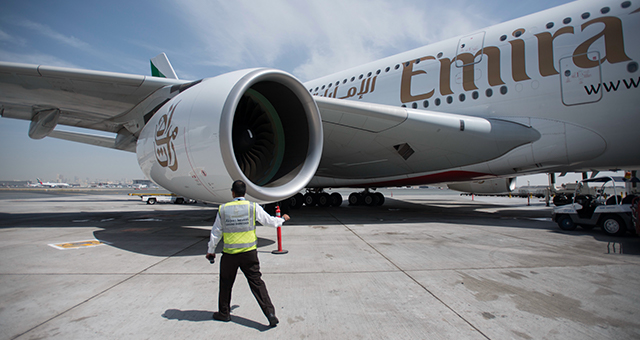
[{"x": 555, "y": 91}]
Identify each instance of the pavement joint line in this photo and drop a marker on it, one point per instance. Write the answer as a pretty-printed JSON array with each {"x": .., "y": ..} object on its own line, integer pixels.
[
  {"x": 416, "y": 281},
  {"x": 331, "y": 272},
  {"x": 104, "y": 291}
]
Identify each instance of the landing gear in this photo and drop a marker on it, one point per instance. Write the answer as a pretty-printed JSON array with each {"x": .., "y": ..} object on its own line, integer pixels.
[
  {"x": 296, "y": 201},
  {"x": 371, "y": 199},
  {"x": 317, "y": 197}
]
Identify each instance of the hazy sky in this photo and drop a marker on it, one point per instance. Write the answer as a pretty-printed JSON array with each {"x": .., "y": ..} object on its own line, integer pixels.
[{"x": 206, "y": 38}]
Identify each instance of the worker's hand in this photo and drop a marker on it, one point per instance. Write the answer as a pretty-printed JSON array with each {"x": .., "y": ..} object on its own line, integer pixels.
[
  {"x": 286, "y": 217},
  {"x": 211, "y": 257}
]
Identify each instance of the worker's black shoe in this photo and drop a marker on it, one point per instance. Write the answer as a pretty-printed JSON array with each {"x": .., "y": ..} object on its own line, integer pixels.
[
  {"x": 273, "y": 321},
  {"x": 220, "y": 317}
]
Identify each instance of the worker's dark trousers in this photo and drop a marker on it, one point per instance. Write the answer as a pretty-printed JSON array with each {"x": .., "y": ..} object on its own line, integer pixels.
[{"x": 250, "y": 266}]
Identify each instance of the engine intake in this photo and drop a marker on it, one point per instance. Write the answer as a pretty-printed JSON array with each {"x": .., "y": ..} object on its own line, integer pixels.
[{"x": 260, "y": 125}]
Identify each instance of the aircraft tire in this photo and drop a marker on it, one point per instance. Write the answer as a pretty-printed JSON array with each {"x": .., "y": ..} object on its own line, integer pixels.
[
  {"x": 296, "y": 201},
  {"x": 355, "y": 199},
  {"x": 310, "y": 199},
  {"x": 324, "y": 200},
  {"x": 380, "y": 198},
  {"x": 371, "y": 200},
  {"x": 336, "y": 199}
]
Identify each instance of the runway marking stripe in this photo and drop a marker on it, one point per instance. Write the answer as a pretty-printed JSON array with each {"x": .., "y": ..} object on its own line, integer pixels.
[{"x": 77, "y": 244}]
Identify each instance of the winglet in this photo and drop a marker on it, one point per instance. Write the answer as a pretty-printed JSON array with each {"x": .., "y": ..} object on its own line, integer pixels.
[{"x": 161, "y": 67}]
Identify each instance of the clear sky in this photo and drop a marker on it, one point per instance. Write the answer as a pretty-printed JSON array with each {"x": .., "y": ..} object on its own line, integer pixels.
[{"x": 206, "y": 38}]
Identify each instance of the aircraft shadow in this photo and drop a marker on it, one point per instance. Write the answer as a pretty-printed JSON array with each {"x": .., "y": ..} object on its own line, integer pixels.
[{"x": 186, "y": 232}]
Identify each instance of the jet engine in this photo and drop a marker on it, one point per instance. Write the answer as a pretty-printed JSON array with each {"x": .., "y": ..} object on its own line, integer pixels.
[
  {"x": 489, "y": 186},
  {"x": 259, "y": 125}
]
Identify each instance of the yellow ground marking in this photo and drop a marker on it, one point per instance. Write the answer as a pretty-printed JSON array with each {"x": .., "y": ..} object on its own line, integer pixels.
[{"x": 77, "y": 244}]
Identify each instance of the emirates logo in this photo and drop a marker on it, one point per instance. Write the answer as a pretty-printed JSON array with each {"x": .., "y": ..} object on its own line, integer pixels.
[{"x": 166, "y": 134}]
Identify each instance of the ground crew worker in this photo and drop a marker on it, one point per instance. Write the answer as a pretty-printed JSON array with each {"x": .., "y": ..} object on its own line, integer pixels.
[{"x": 236, "y": 223}]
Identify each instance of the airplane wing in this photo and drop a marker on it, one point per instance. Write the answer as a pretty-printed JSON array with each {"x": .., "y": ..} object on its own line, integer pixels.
[
  {"x": 364, "y": 140},
  {"x": 104, "y": 101},
  {"x": 358, "y": 141}
]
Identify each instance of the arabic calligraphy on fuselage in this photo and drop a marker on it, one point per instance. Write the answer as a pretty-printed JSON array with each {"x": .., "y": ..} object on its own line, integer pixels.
[{"x": 166, "y": 134}]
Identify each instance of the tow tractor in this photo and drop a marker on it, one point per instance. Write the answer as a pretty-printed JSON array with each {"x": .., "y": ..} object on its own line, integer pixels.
[
  {"x": 163, "y": 198},
  {"x": 603, "y": 207}
]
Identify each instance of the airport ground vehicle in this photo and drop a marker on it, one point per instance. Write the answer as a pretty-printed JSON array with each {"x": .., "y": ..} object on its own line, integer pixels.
[
  {"x": 598, "y": 205},
  {"x": 163, "y": 198}
]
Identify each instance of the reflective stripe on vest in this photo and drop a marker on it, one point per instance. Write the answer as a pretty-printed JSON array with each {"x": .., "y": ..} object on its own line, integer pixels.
[{"x": 238, "y": 219}]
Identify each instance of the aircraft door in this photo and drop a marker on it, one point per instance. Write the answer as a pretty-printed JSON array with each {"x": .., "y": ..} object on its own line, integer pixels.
[
  {"x": 580, "y": 85},
  {"x": 472, "y": 44}
]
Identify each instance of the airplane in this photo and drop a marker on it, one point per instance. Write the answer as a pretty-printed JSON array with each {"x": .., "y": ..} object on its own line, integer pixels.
[
  {"x": 51, "y": 184},
  {"x": 554, "y": 91}
]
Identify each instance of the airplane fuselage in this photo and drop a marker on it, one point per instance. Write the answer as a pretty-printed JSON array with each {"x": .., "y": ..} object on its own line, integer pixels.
[{"x": 570, "y": 72}]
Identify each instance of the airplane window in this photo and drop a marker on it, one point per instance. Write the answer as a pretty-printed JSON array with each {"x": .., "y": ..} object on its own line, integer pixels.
[
  {"x": 378, "y": 72},
  {"x": 549, "y": 25},
  {"x": 626, "y": 4},
  {"x": 475, "y": 95},
  {"x": 337, "y": 83},
  {"x": 566, "y": 21},
  {"x": 567, "y": 73},
  {"x": 503, "y": 90},
  {"x": 387, "y": 69},
  {"x": 604, "y": 10},
  {"x": 437, "y": 101},
  {"x": 317, "y": 89},
  {"x": 404, "y": 105},
  {"x": 462, "y": 97},
  {"x": 368, "y": 74},
  {"x": 407, "y": 64},
  {"x": 518, "y": 33},
  {"x": 353, "y": 78},
  {"x": 632, "y": 67},
  {"x": 425, "y": 103},
  {"x": 449, "y": 99},
  {"x": 440, "y": 55},
  {"x": 329, "y": 86},
  {"x": 417, "y": 61},
  {"x": 489, "y": 92},
  {"x": 503, "y": 37},
  {"x": 362, "y": 75},
  {"x": 344, "y": 81},
  {"x": 322, "y": 88},
  {"x": 397, "y": 67},
  {"x": 414, "y": 105},
  {"x": 585, "y": 15}
]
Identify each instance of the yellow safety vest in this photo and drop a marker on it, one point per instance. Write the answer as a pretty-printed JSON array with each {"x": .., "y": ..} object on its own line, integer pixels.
[{"x": 238, "y": 220}]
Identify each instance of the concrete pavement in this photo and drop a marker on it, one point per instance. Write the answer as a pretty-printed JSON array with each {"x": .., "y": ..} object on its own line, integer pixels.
[{"x": 427, "y": 264}]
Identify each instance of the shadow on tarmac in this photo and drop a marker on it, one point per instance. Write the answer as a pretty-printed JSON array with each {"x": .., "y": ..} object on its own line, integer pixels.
[
  {"x": 186, "y": 232},
  {"x": 201, "y": 315}
]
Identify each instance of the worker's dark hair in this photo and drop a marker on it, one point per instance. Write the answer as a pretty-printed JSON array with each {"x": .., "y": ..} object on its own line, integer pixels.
[{"x": 239, "y": 188}]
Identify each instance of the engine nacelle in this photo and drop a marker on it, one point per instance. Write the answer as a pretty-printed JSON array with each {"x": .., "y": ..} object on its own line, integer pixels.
[
  {"x": 488, "y": 186},
  {"x": 260, "y": 125}
]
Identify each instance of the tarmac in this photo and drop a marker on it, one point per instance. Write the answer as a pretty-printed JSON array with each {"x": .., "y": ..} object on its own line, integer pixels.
[{"x": 429, "y": 264}]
